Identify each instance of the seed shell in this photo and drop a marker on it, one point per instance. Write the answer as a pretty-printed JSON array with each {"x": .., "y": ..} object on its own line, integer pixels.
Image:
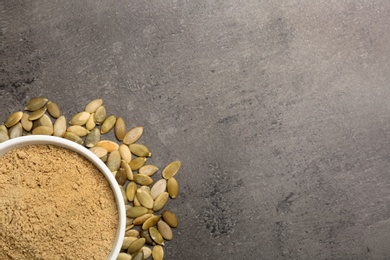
[
  {"x": 108, "y": 124},
  {"x": 140, "y": 150},
  {"x": 109, "y": 145},
  {"x": 136, "y": 245},
  {"x": 93, "y": 105},
  {"x": 59, "y": 126},
  {"x": 144, "y": 198},
  {"x": 16, "y": 131},
  {"x": 92, "y": 138},
  {"x": 158, "y": 252},
  {"x": 171, "y": 169},
  {"x": 114, "y": 161},
  {"x": 136, "y": 211},
  {"x": 35, "y": 103},
  {"x": 53, "y": 109},
  {"x": 133, "y": 135},
  {"x": 100, "y": 115},
  {"x": 149, "y": 169},
  {"x": 165, "y": 230},
  {"x": 125, "y": 153},
  {"x": 42, "y": 130},
  {"x": 120, "y": 128},
  {"x": 160, "y": 201},
  {"x": 26, "y": 124},
  {"x": 137, "y": 163},
  {"x": 13, "y": 119},
  {"x": 170, "y": 218},
  {"x": 156, "y": 236},
  {"x": 80, "y": 118},
  {"x": 142, "y": 179},
  {"x": 158, "y": 188},
  {"x": 73, "y": 137},
  {"x": 173, "y": 187}
]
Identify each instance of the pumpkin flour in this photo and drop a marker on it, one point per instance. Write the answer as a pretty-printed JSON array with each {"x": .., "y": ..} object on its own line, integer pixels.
[{"x": 54, "y": 204}]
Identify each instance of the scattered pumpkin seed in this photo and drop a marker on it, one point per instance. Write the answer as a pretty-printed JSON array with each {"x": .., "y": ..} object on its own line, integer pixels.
[
  {"x": 127, "y": 242},
  {"x": 136, "y": 211},
  {"x": 160, "y": 201},
  {"x": 129, "y": 172},
  {"x": 13, "y": 119},
  {"x": 3, "y": 136},
  {"x": 99, "y": 151},
  {"x": 147, "y": 252},
  {"x": 156, "y": 236},
  {"x": 165, "y": 230},
  {"x": 60, "y": 126},
  {"x": 73, "y": 137},
  {"x": 144, "y": 198},
  {"x": 78, "y": 130},
  {"x": 90, "y": 122},
  {"x": 145, "y": 234},
  {"x": 140, "y": 150},
  {"x": 26, "y": 124},
  {"x": 149, "y": 169},
  {"x": 114, "y": 161},
  {"x": 53, "y": 109},
  {"x": 16, "y": 131},
  {"x": 137, "y": 163},
  {"x": 80, "y": 118},
  {"x": 150, "y": 222},
  {"x": 158, "y": 188},
  {"x": 37, "y": 114},
  {"x": 120, "y": 128},
  {"x": 131, "y": 190},
  {"x": 170, "y": 218},
  {"x": 171, "y": 169},
  {"x": 108, "y": 124},
  {"x": 158, "y": 252},
  {"x": 136, "y": 245},
  {"x": 4, "y": 129},
  {"x": 142, "y": 179},
  {"x": 93, "y": 138},
  {"x": 123, "y": 256},
  {"x": 138, "y": 255},
  {"x": 141, "y": 219},
  {"x": 45, "y": 120},
  {"x": 173, "y": 187},
  {"x": 36, "y": 103},
  {"x": 109, "y": 145},
  {"x": 100, "y": 115},
  {"x": 125, "y": 153},
  {"x": 133, "y": 135},
  {"x": 136, "y": 202},
  {"x": 93, "y": 105},
  {"x": 42, "y": 130},
  {"x": 132, "y": 233}
]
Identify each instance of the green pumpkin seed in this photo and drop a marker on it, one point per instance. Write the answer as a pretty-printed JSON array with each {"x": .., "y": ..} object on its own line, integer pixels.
[
  {"x": 147, "y": 252},
  {"x": 156, "y": 236},
  {"x": 136, "y": 211},
  {"x": 100, "y": 115},
  {"x": 171, "y": 169},
  {"x": 145, "y": 234},
  {"x": 59, "y": 126},
  {"x": 109, "y": 145},
  {"x": 16, "y": 131},
  {"x": 36, "y": 103},
  {"x": 80, "y": 118},
  {"x": 73, "y": 137},
  {"x": 123, "y": 256},
  {"x": 158, "y": 188},
  {"x": 136, "y": 246},
  {"x": 53, "y": 109},
  {"x": 26, "y": 124},
  {"x": 173, "y": 187},
  {"x": 149, "y": 170},
  {"x": 120, "y": 128},
  {"x": 93, "y": 138},
  {"x": 131, "y": 190},
  {"x": 133, "y": 135},
  {"x": 45, "y": 120},
  {"x": 3, "y": 128},
  {"x": 165, "y": 230},
  {"x": 127, "y": 241},
  {"x": 137, "y": 163},
  {"x": 91, "y": 122},
  {"x": 99, "y": 151},
  {"x": 170, "y": 218},
  {"x": 42, "y": 130},
  {"x": 108, "y": 124},
  {"x": 125, "y": 153},
  {"x": 93, "y": 105},
  {"x": 3, "y": 136},
  {"x": 13, "y": 119},
  {"x": 142, "y": 179},
  {"x": 114, "y": 161},
  {"x": 141, "y": 219},
  {"x": 78, "y": 130},
  {"x": 129, "y": 172},
  {"x": 160, "y": 201},
  {"x": 138, "y": 256},
  {"x": 144, "y": 198},
  {"x": 150, "y": 222},
  {"x": 37, "y": 114},
  {"x": 140, "y": 150},
  {"x": 121, "y": 176},
  {"x": 158, "y": 252},
  {"x": 132, "y": 233}
]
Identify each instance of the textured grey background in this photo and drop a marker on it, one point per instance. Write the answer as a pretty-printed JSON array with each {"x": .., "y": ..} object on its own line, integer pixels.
[{"x": 278, "y": 110}]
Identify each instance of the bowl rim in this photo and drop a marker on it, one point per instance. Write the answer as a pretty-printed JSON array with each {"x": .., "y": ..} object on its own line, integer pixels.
[{"x": 62, "y": 142}]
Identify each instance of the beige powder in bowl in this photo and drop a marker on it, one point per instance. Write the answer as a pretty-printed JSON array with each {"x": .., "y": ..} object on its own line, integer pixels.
[{"x": 54, "y": 204}]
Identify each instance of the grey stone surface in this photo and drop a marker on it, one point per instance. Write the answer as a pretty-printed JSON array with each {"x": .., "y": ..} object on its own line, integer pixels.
[{"x": 278, "y": 110}]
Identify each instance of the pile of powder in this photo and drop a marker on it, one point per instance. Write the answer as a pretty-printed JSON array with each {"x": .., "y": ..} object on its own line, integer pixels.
[{"x": 54, "y": 204}]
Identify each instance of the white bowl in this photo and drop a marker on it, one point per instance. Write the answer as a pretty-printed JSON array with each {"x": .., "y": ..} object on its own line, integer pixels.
[{"x": 61, "y": 142}]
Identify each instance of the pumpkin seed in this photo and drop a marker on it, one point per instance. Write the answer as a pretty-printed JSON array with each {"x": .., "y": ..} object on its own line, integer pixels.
[
  {"x": 150, "y": 222},
  {"x": 136, "y": 211},
  {"x": 80, "y": 118},
  {"x": 93, "y": 105},
  {"x": 138, "y": 256},
  {"x": 123, "y": 256},
  {"x": 173, "y": 187},
  {"x": 26, "y": 124},
  {"x": 156, "y": 236},
  {"x": 136, "y": 202},
  {"x": 121, "y": 176},
  {"x": 132, "y": 233},
  {"x": 137, "y": 163},
  {"x": 158, "y": 188},
  {"x": 37, "y": 114},
  {"x": 13, "y": 119},
  {"x": 78, "y": 130},
  {"x": 35, "y": 103},
  {"x": 136, "y": 245},
  {"x": 42, "y": 130},
  {"x": 129, "y": 172},
  {"x": 108, "y": 124},
  {"x": 100, "y": 115},
  {"x": 3, "y": 136},
  {"x": 144, "y": 198},
  {"x": 171, "y": 169},
  {"x": 147, "y": 252},
  {"x": 104, "y": 158},
  {"x": 93, "y": 138},
  {"x": 109, "y": 145},
  {"x": 140, "y": 150},
  {"x": 160, "y": 201},
  {"x": 53, "y": 109},
  {"x": 125, "y": 153},
  {"x": 91, "y": 122},
  {"x": 127, "y": 241},
  {"x": 60, "y": 126},
  {"x": 114, "y": 161},
  {"x": 133, "y": 135},
  {"x": 73, "y": 137},
  {"x": 142, "y": 179},
  {"x": 120, "y": 128},
  {"x": 16, "y": 131},
  {"x": 145, "y": 234},
  {"x": 4, "y": 129},
  {"x": 99, "y": 151},
  {"x": 141, "y": 219},
  {"x": 129, "y": 221},
  {"x": 165, "y": 230},
  {"x": 145, "y": 188},
  {"x": 131, "y": 190},
  {"x": 170, "y": 218},
  {"x": 158, "y": 252},
  {"x": 45, "y": 120},
  {"x": 149, "y": 170}
]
